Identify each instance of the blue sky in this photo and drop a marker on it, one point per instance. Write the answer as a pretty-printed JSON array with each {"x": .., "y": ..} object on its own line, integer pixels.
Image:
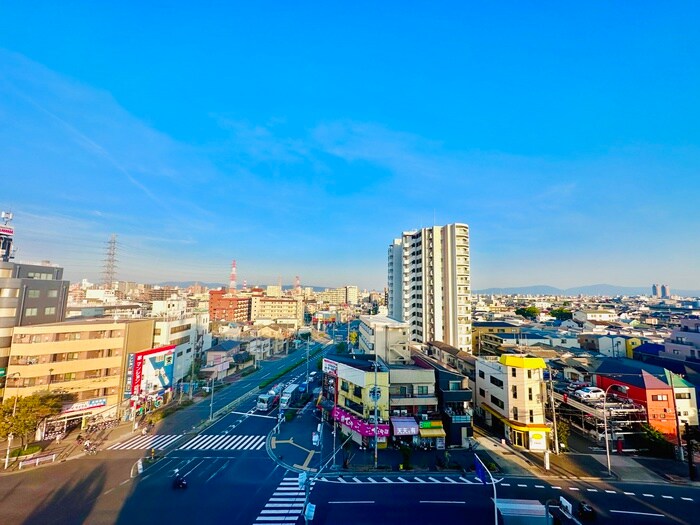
[{"x": 300, "y": 138}]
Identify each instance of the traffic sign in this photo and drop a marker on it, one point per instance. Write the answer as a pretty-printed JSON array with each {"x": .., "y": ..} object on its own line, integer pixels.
[
  {"x": 310, "y": 510},
  {"x": 302, "y": 480},
  {"x": 375, "y": 393}
]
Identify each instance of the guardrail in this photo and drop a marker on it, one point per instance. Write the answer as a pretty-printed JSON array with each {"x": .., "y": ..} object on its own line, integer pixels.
[{"x": 36, "y": 460}]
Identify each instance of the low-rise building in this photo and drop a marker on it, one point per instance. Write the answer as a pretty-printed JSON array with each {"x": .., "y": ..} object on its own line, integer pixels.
[{"x": 384, "y": 337}]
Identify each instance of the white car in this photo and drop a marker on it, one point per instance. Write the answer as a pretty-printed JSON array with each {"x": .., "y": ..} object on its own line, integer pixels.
[{"x": 590, "y": 392}]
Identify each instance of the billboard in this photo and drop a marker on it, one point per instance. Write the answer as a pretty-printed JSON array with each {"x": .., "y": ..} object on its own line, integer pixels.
[{"x": 150, "y": 371}]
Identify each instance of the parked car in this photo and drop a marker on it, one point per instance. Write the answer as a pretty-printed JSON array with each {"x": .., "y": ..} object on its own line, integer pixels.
[
  {"x": 576, "y": 385},
  {"x": 590, "y": 392},
  {"x": 585, "y": 511}
]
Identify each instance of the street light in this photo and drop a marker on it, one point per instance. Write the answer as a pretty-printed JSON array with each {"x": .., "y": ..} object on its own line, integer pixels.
[
  {"x": 10, "y": 436},
  {"x": 623, "y": 389}
]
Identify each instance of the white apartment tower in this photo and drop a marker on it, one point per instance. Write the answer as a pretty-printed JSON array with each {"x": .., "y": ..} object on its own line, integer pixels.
[{"x": 429, "y": 284}]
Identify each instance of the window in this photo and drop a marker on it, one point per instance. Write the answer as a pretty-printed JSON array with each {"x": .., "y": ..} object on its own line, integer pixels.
[
  {"x": 497, "y": 402},
  {"x": 30, "y": 312},
  {"x": 496, "y": 381},
  {"x": 682, "y": 395},
  {"x": 455, "y": 385},
  {"x": 32, "y": 294},
  {"x": 515, "y": 413},
  {"x": 513, "y": 372},
  {"x": 50, "y": 310},
  {"x": 529, "y": 394},
  {"x": 422, "y": 390},
  {"x": 482, "y": 393},
  {"x": 481, "y": 374},
  {"x": 532, "y": 416},
  {"x": 514, "y": 391},
  {"x": 529, "y": 374},
  {"x": 659, "y": 397},
  {"x": 52, "y": 294},
  {"x": 357, "y": 391}
]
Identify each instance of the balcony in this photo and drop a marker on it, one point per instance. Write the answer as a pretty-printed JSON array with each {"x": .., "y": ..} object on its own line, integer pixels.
[
  {"x": 456, "y": 396},
  {"x": 413, "y": 400}
]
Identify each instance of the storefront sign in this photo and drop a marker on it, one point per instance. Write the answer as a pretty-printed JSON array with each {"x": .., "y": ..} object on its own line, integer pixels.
[
  {"x": 330, "y": 367},
  {"x": 431, "y": 424},
  {"x": 85, "y": 405},
  {"x": 361, "y": 427},
  {"x": 152, "y": 370},
  {"x": 538, "y": 440}
]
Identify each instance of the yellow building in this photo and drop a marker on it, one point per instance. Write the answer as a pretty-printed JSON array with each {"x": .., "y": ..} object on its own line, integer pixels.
[
  {"x": 510, "y": 394},
  {"x": 84, "y": 359}
]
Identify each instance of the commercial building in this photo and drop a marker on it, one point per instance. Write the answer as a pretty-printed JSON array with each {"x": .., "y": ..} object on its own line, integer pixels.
[
  {"x": 511, "y": 397},
  {"x": 274, "y": 308},
  {"x": 430, "y": 286},
  {"x": 86, "y": 360},
  {"x": 224, "y": 306},
  {"x": 385, "y": 337}
]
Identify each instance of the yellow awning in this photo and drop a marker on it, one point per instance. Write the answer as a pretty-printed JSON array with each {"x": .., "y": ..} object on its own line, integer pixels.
[
  {"x": 524, "y": 427},
  {"x": 432, "y": 433}
]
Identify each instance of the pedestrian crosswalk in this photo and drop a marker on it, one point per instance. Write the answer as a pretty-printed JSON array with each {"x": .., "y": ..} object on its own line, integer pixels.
[
  {"x": 286, "y": 504},
  {"x": 455, "y": 479},
  {"x": 224, "y": 442},
  {"x": 157, "y": 441}
]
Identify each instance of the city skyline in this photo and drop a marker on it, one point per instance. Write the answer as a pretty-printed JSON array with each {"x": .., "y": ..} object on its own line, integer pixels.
[{"x": 302, "y": 141}]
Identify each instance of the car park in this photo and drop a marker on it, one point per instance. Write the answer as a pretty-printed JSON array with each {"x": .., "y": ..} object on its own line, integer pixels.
[{"x": 590, "y": 392}]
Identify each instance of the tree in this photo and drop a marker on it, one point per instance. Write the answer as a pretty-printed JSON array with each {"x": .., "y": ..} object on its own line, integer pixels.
[
  {"x": 531, "y": 312},
  {"x": 353, "y": 338},
  {"x": 563, "y": 431},
  {"x": 29, "y": 412},
  {"x": 341, "y": 348},
  {"x": 562, "y": 314}
]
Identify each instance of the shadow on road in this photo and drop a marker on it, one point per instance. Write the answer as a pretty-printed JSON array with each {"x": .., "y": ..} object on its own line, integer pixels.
[{"x": 78, "y": 496}]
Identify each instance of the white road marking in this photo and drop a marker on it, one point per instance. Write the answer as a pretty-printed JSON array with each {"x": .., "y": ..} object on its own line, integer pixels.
[
  {"x": 387, "y": 480},
  {"x": 667, "y": 497},
  {"x": 419, "y": 480},
  {"x": 539, "y": 486},
  {"x": 556, "y": 487},
  {"x": 371, "y": 480},
  {"x": 356, "y": 480},
  {"x": 450, "y": 480},
  {"x": 686, "y": 499},
  {"x": 573, "y": 488},
  {"x": 351, "y": 502},
  {"x": 505, "y": 484},
  {"x": 629, "y": 493},
  {"x": 403, "y": 480},
  {"x": 442, "y": 502},
  {"x": 648, "y": 495},
  {"x": 521, "y": 485},
  {"x": 611, "y": 492},
  {"x": 592, "y": 490},
  {"x": 434, "y": 480},
  {"x": 639, "y": 513}
]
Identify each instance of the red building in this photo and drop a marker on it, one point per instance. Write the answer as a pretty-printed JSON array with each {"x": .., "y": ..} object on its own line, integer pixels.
[{"x": 224, "y": 306}]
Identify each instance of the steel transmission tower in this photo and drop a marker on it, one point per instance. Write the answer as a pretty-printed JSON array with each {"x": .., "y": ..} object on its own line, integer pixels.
[{"x": 109, "y": 269}]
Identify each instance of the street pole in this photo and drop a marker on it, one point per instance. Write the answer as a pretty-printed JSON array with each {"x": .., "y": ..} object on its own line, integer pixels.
[
  {"x": 211, "y": 402},
  {"x": 191, "y": 377},
  {"x": 376, "y": 421},
  {"x": 495, "y": 499},
  {"x": 605, "y": 421},
  {"x": 554, "y": 416},
  {"x": 11, "y": 436},
  {"x": 307, "y": 363},
  {"x": 335, "y": 401}
]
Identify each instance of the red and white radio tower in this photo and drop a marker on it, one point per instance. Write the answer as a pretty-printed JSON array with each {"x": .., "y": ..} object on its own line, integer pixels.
[{"x": 232, "y": 281}]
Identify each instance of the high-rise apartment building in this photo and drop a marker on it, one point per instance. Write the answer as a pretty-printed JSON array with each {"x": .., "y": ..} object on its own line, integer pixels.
[{"x": 430, "y": 286}]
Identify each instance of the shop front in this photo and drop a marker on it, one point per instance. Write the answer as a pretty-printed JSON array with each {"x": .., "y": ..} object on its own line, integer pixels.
[
  {"x": 406, "y": 431},
  {"x": 523, "y": 435},
  {"x": 432, "y": 434},
  {"x": 362, "y": 432}
]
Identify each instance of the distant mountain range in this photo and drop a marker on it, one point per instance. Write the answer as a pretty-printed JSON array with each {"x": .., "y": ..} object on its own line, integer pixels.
[{"x": 593, "y": 289}]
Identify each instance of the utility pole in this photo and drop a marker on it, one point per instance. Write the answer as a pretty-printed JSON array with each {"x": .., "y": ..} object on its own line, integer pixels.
[
  {"x": 211, "y": 402},
  {"x": 554, "y": 415},
  {"x": 191, "y": 377},
  {"x": 307, "y": 363}
]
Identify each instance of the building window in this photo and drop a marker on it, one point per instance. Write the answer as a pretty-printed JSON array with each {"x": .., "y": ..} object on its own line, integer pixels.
[
  {"x": 50, "y": 310},
  {"x": 32, "y": 294},
  {"x": 482, "y": 393},
  {"x": 513, "y": 372},
  {"x": 497, "y": 402},
  {"x": 52, "y": 294},
  {"x": 455, "y": 385},
  {"x": 659, "y": 397},
  {"x": 515, "y": 413},
  {"x": 682, "y": 395},
  {"x": 529, "y": 394},
  {"x": 514, "y": 391},
  {"x": 532, "y": 416},
  {"x": 529, "y": 374},
  {"x": 481, "y": 374},
  {"x": 30, "y": 312},
  {"x": 496, "y": 381},
  {"x": 423, "y": 390}
]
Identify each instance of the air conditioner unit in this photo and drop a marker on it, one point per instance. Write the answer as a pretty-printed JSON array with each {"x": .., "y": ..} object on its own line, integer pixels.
[
  {"x": 395, "y": 412},
  {"x": 404, "y": 412}
]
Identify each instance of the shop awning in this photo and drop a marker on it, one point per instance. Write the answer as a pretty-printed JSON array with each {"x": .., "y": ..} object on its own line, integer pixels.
[
  {"x": 523, "y": 427},
  {"x": 432, "y": 433},
  {"x": 404, "y": 426}
]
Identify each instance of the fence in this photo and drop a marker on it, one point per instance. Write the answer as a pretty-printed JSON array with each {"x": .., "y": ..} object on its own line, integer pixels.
[{"x": 36, "y": 460}]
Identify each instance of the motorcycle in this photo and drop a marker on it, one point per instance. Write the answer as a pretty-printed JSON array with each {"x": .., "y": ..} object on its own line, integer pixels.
[{"x": 179, "y": 482}]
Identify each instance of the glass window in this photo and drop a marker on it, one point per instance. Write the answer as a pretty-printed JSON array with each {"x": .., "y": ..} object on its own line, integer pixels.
[
  {"x": 30, "y": 312},
  {"x": 50, "y": 310},
  {"x": 422, "y": 390},
  {"x": 33, "y": 294},
  {"x": 513, "y": 372},
  {"x": 514, "y": 390},
  {"x": 52, "y": 294},
  {"x": 532, "y": 416}
]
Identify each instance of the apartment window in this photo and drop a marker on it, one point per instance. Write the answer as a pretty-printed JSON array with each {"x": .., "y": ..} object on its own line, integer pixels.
[
  {"x": 357, "y": 391},
  {"x": 496, "y": 381},
  {"x": 659, "y": 397},
  {"x": 514, "y": 391},
  {"x": 50, "y": 310},
  {"x": 482, "y": 393},
  {"x": 52, "y": 294},
  {"x": 497, "y": 402},
  {"x": 515, "y": 413},
  {"x": 423, "y": 390},
  {"x": 532, "y": 416},
  {"x": 455, "y": 385},
  {"x": 32, "y": 294},
  {"x": 529, "y": 394},
  {"x": 481, "y": 374},
  {"x": 30, "y": 312},
  {"x": 529, "y": 374},
  {"x": 513, "y": 372},
  {"x": 682, "y": 395}
]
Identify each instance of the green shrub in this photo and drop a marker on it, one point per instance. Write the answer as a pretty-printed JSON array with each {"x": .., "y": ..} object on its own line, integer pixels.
[{"x": 29, "y": 449}]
